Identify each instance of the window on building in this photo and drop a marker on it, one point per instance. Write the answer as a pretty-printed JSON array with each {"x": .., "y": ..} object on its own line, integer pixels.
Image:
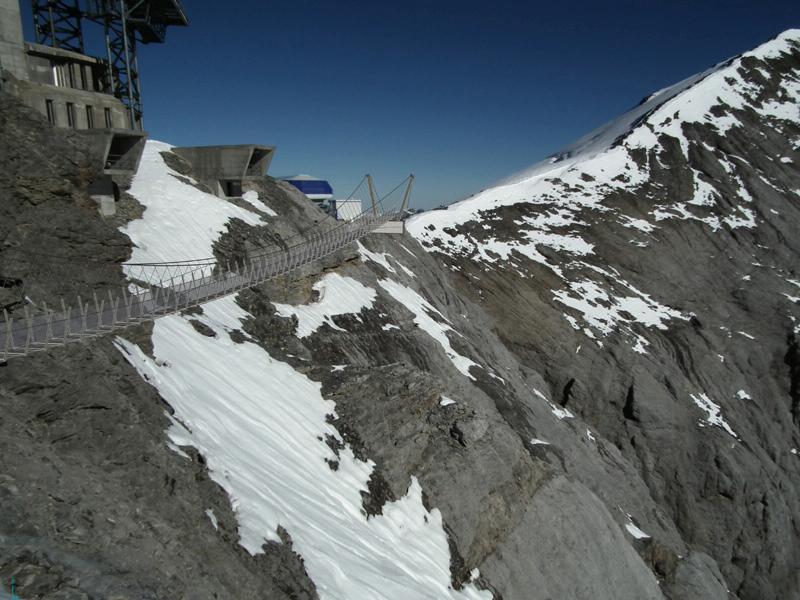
[
  {"x": 109, "y": 122},
  {"x": 90, "y": 117},
  {"x": 73, "y": 83},
  {"x": 100, "y": 79},
  {"x": 58, "y": 76},
  {"x": 71, "y": 115},
  {"x": 84, "y": 78},
  {"x": 51, "y": 111}
]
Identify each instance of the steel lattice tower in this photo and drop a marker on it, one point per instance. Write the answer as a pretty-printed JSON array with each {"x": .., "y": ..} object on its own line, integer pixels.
[
  {"x": 58, "y": 24},
  {"x": 121, "y": 50}
]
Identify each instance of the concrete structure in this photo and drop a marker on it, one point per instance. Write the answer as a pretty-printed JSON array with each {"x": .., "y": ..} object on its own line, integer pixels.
[
  {"x": 314, "y": 188},
  {"x": 69, "y": 89},
  {"x": 12, "y": 52},
  {"x": 226, "y": 169},
  {"x": 392, "y": 227},
  {"x": 119, "y": 149},
  {"x": 125, "y": 23},
  {"x": 106, "y": 194}
]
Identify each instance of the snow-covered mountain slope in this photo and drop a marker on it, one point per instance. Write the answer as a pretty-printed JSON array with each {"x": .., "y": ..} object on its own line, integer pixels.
[
  {"x": 264, "y": 429},
  {"x": 671, "y": 157},
  {"x": 242, "y": 379},
  {"x": 650, "y": 273}
]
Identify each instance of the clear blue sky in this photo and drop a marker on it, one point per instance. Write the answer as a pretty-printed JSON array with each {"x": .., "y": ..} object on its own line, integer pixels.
[{"x": 459, "y": 93}]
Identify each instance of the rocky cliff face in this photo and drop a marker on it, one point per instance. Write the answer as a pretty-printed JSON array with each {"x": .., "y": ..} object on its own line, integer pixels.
[
  {"x": 580, "y": 383},
  {"x": 650, "y": 275}
]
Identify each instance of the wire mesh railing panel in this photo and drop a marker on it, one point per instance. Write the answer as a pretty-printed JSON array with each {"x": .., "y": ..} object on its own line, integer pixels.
[{"x": 158, "y": 289}]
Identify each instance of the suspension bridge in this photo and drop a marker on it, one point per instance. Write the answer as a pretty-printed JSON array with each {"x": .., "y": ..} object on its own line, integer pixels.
[{"x": 153, "y": 290}]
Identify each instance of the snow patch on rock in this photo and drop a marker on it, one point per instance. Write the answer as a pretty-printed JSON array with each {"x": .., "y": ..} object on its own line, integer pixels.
[
  {"x": 180, "y": 222},
  {"x": 422, "y": 310},
  {"x": 338, "y": 295},
  {"x": 445, "y": 401},
  {"x": 634, "y": 530},
  {"x": 560, "y": 412},
  {"x": 251, "y": 197},
  {"x": 212, "y": 517},
  {"x": 713, "y": 412},
  {"x": 380, "y": 258}
]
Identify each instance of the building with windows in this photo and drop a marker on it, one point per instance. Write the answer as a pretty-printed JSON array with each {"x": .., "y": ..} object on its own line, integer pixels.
[
  {"x": 68, "y": 88},
  {"x": 98, "y": 97}
]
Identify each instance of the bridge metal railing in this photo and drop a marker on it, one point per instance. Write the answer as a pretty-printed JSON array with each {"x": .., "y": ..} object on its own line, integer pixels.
[{"x": 167, "y": 288}]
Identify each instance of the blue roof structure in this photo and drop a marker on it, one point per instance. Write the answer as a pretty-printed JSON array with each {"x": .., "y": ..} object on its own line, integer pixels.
[{"x": 313, "y": 187}]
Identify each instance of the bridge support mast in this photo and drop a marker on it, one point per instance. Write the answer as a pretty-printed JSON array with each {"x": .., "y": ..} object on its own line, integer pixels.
[
  {"x": 372, "y": 195},
  {"x": 407, "y": 195}
]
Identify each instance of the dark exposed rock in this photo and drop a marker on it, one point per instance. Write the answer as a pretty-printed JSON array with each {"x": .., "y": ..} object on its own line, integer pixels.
[
  {"x": 792, "y": 360},
  {"x": 629, "y": 410},
  {"x": 287, "y": 569},
  {"x": 53, "y": 239},
  {"x": 202, "y": 328},
  {"x": 378, "y": 493}
]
